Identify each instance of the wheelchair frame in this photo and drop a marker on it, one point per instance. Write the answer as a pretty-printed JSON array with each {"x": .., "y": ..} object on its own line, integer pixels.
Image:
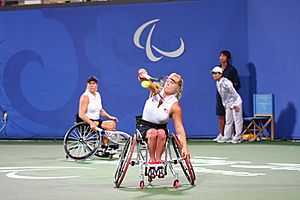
[
  {"x": 81, "y": 142},
  {"x": 142, "y": 160}
]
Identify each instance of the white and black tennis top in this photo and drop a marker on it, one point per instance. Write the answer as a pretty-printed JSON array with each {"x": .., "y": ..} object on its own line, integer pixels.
[
  {"x": 158, "y": 114},
  {"x": 94, "y": 106}
]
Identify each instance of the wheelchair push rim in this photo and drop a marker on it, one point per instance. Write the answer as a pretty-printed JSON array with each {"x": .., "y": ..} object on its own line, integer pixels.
[
  {"x": 185, "y": 164},
  {"x": 124, "y": 161}
]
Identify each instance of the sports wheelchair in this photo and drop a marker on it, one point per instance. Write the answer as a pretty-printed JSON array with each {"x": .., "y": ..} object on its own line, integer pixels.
[
  {"x": 171, "y": 158},
  {"x": 81, "y": 142}
]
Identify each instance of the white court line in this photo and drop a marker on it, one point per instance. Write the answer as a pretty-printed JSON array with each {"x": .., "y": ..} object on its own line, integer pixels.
[{"x": 12, "y": 172}]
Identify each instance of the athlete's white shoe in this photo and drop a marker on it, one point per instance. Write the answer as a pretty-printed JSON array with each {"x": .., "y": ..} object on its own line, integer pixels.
[
  {"x": 236, "y": 140},
  {"x": 218, "y": 138},
  {"x": 224, "y": 139}
]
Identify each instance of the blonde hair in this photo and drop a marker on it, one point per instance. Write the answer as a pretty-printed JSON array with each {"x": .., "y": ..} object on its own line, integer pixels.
[{"x": 180, "y": 85}]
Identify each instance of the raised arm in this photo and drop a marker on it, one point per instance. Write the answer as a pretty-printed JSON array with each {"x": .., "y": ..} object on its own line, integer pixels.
[{"x": 146, "y": 82}]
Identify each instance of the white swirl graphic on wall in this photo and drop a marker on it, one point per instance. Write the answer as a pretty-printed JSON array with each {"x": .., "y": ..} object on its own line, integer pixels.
[{"x": 149, "y": 47}]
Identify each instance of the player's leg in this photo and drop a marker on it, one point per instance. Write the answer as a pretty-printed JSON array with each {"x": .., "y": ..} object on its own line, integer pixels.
[
  {"x": 151, "y": 137},
  {"x": 160, "y": 149},
  {"x": 106, "y": 125},
  {"x": 220, "y": 112},
  {"x": 228, "y": 126},
  {"x": 238, "y": 122},
  {"x": 160, "y": 143}
]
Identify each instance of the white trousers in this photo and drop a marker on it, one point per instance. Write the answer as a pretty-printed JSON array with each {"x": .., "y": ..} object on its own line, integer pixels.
[{"x": 233, "y": 119}]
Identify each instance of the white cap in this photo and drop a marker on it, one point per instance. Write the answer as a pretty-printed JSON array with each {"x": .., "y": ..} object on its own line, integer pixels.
[{"x": 217, "y": 69}]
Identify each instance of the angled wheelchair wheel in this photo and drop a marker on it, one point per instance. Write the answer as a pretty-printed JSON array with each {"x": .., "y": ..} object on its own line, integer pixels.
[
  {"x": 124, "y": 161},
  {"x": 185, "y": 164},
  {"x": 81, "y": 141}
]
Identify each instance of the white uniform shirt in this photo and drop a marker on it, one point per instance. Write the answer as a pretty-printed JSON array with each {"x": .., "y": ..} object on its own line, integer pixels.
[
  {"x": 94, "y": 106},
  {"x": 161, "y": 114},
  {"x": 229, "y": 95}
]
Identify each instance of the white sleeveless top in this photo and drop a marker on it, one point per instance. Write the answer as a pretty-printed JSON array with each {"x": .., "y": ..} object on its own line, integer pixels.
[
  {"x": 161, "y": 114},
  {"x": 94, "y": 106}
]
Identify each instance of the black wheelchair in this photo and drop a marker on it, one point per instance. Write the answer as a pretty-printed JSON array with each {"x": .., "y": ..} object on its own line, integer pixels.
[
  {"x": 81, "y": 142},
  {"x": 171, "y": 158}
]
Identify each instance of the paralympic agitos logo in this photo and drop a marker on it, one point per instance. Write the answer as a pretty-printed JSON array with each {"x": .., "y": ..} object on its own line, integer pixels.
[{"x": 149, "y": 47}]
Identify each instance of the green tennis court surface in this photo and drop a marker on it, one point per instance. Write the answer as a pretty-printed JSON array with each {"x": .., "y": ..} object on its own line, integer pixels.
[{"x": 262, "y": 170}]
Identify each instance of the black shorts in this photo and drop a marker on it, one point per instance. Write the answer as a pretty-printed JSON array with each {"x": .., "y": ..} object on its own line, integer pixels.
[
  {"x": 143, "y": 126},
  {"x": 78, "y": 119},
  {"x": 220, "y": 110}
]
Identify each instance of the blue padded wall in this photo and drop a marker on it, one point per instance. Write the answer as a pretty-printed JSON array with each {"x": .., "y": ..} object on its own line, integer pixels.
[
  {"x": 274, "y": 46},
  {"x": 46, "y": 54}
]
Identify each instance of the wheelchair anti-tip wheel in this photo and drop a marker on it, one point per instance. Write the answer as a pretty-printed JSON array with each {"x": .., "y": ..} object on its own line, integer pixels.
[
  {"x": 142, "y": 184},
  {"x": 81, "y": 141},
  {"x": 176, "y": 183},
  {"x": 124, "y": 161},
  {"x": 185, "y": 164}
]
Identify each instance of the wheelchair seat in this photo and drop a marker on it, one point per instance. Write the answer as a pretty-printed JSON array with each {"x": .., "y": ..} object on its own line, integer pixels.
[{"x": 172, "y": 156}]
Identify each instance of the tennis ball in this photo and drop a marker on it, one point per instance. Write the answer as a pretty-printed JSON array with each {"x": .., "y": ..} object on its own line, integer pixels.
[{"x": 145, "y": 84}]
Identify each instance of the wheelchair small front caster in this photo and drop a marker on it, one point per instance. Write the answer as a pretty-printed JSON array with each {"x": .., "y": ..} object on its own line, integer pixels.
[
  {"x": 150, "y": 179},
  {"x": 176, "y": 184},
  {"x": 142, "y": 185}
]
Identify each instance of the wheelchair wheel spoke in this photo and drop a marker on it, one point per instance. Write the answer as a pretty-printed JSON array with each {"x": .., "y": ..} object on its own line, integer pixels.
[
  {"x": 72, "y": 145},
  {"x": 73, "y": 137},
  {"x": 80, "y": 142}
]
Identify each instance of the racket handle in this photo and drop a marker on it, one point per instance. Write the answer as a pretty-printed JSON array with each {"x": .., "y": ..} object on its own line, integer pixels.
[
  {"x": 99, "y": 129},
  {"x": 146, "y": 76}
]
